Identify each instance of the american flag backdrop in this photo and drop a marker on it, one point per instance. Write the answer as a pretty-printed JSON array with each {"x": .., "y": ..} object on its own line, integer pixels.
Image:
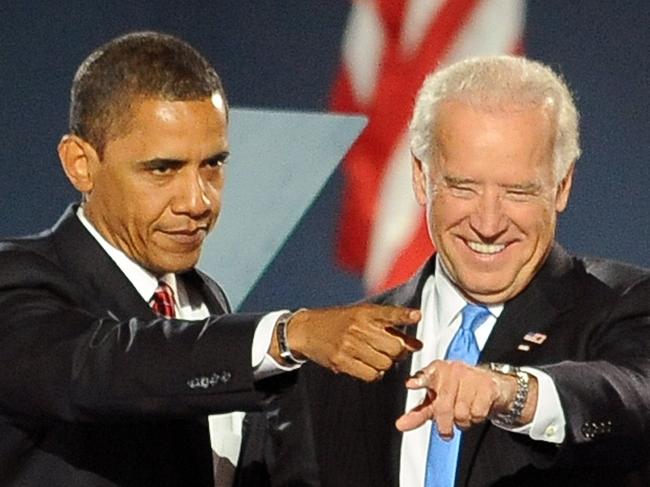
[{"x": 389, "y": 47}]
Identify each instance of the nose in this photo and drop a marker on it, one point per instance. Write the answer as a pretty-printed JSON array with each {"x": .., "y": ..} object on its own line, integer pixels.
[
  {"x": 488, "y": 219},
  {"x": 192, "y": 198}
]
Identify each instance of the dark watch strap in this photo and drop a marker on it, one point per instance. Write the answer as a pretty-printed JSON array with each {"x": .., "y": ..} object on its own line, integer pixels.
[{"x": 283, "y": 343}]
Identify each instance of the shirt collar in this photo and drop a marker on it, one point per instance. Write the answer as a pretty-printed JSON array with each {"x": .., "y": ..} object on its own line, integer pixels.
[
  {"x": 451, "y": 301},
  {"x": 144, "y": 281}
]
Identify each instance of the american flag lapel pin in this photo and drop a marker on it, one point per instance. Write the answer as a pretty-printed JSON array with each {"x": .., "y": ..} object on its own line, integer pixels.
[
  {"x": 531, "y": 337},
  {"x": 534, "y": 337}
]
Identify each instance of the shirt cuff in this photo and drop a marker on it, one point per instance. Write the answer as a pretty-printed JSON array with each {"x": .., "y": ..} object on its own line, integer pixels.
[
  {"x": 263, "y": 364},
  {"x": 548, "y": 423}
]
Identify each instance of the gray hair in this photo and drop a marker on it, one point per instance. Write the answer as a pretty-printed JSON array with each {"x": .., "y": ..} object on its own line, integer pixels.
[{"x": 495, "y": 80}]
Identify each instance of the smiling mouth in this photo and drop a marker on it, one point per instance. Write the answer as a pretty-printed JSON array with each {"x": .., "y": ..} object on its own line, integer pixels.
[{"x": 484, "y": 248}]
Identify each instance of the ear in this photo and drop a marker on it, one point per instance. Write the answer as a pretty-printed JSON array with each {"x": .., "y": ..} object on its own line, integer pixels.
[
  {"x": 419, "y": 180},
  {"x": 564, "y": 190},
  {"x": 77, "y": 158}
]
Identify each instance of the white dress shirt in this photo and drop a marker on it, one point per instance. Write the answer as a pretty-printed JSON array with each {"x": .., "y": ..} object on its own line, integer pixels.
[
  {"x": 441, "y": 310},
  {"x": 225, "y": 429}
]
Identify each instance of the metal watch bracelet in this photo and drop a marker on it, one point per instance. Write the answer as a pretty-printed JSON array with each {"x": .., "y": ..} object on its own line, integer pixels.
[{"x": 521, "y": 396}]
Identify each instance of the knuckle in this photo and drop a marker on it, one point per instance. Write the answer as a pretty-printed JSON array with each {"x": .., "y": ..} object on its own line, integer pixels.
[
  {"x": 461, "y": 411},
  {"x": 393, "y": 348},
  {"x": 439, "y": 410},
  {"x": 456, "y": 367},
  {"x": 346, "y": 347},
  {"x": 477, "y": 410},
  {"x": 355, "y": 329},
  {"x": 338, "y": 360},
  {"x": 386, "y": 363}
]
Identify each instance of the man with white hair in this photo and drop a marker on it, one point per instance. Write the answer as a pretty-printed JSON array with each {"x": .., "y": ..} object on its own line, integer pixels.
[{"x": 535, "y": 368}]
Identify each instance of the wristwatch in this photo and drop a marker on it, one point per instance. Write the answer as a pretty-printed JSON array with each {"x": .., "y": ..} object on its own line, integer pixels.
[
  {"x": 283, "y": 343},
  {"x": 510, "y": 417}
]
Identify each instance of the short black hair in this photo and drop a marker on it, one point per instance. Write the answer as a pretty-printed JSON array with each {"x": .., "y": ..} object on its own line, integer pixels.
[{"x": 139, "y": 64}]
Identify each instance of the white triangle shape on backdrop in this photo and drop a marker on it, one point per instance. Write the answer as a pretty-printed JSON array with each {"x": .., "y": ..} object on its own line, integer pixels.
[{"x": 279, "y": 162}]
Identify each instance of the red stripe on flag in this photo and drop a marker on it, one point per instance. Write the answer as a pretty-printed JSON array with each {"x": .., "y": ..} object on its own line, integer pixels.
[
  {"x": 343, "y": 99},
  {"x": 398, "y": 81},
  {"x": 410, "y": 258}
]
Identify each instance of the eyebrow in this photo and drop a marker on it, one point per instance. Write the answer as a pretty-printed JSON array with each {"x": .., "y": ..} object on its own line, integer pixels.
[
  {"x": 458, "y": 180},
  {"x": 177, "y": 163},
  {"x": 160, "y": 161},
  {"x": 529, "y": 187}
]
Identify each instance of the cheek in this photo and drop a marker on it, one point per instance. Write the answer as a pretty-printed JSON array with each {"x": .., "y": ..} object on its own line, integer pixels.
[
  {"x": 536, "y": 221},
  {"x": 446, "y": 213},
  {"x": 149, "y": 208}
]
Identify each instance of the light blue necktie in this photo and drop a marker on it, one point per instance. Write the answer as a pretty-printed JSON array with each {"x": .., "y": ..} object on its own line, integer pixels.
[{"x": 442, "y": 458}]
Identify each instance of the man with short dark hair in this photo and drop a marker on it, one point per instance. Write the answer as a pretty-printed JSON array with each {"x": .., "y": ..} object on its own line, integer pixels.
[
  {"x": 115, "y": 349},
  {"x": 535, "y": 366}
]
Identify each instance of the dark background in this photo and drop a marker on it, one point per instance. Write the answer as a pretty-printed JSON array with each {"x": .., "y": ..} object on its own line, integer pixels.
[{"x": 284, "y": 54}]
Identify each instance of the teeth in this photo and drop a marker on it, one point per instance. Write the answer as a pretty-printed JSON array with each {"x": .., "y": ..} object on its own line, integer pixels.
[{"x": 484, "y": 248}]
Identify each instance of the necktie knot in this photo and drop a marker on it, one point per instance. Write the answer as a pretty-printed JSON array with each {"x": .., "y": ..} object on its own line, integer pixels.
[
  {"x": 464, "y": 346},
  {"x": 162, "y": 302},
  {"x": 473, "y": 316}
]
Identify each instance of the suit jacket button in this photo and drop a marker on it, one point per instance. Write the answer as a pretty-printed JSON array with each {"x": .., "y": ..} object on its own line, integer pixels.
[{"x": 550, "y": 431}]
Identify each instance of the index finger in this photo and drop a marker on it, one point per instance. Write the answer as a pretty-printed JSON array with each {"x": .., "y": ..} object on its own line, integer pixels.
[
  {"x": 415, "y": 418},
  {"x": 397, "y": 315}
]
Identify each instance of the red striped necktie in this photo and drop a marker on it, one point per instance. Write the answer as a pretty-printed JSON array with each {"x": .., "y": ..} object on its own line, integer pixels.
[{"x": 162, "y": 301}]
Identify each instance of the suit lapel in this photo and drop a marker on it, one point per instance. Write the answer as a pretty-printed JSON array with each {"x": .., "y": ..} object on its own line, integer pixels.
[
  {"x": 210, "y": 292},
  {"x": 534, "y": 310},
  {"x": 102, "y": 284}
]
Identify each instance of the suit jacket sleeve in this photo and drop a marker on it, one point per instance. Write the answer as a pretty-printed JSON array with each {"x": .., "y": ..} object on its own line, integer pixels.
[
  {"x": 606, "y": 398},
  {"x": 68, "y": 357}
]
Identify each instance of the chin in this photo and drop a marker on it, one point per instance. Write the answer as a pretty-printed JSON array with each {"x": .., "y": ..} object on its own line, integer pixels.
[
  {"x": 487, "y": 292},
  {"x": 182, "y": 267},
  {"x": 171, "y": 265}
]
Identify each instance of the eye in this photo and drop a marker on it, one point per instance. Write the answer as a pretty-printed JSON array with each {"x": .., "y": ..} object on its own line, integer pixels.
[
  {"x": 216, "y": 162},
  {"x": 462, "y": 191},
  {"x": 520, "y": 195},
  {"x": 516, "y": 195},
  {"x": 160, "y": 169}
]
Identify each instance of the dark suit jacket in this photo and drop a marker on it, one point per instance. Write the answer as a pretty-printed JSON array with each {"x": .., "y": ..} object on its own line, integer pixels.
[
  {"x": 95, "y": 390},
  {"x": 596, "y": 315}
]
